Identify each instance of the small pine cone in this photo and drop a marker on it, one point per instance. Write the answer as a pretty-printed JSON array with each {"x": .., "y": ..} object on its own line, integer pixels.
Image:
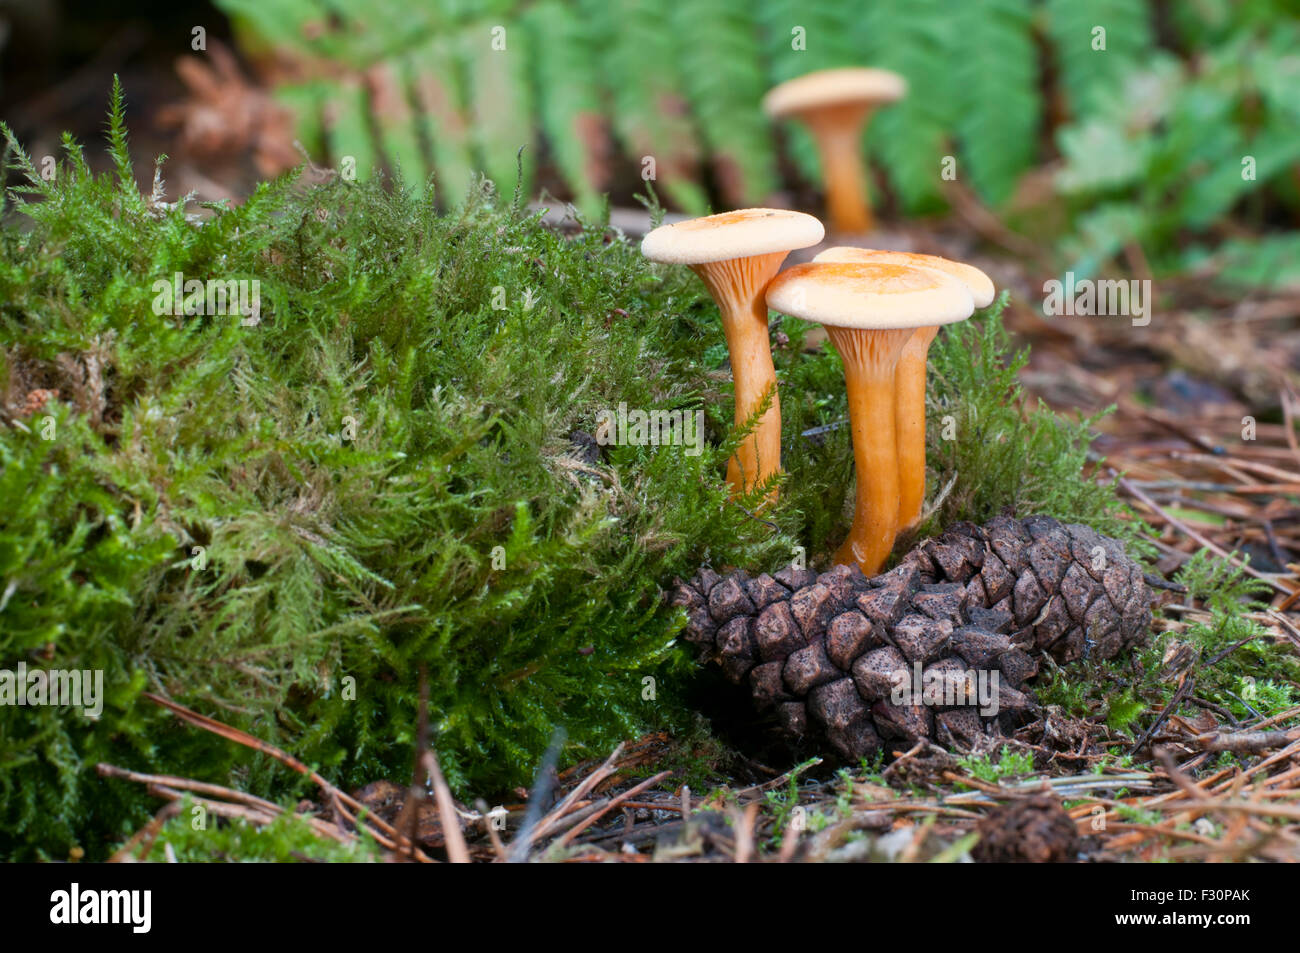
[
  {"x": 1035, "y": 830},
  {"x": 834, "y": 654}
]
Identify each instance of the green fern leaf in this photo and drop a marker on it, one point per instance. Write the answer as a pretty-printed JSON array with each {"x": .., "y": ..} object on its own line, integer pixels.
[
  {"x": 439, "y": 92},
  {"x": 390, "y": 84},
  {"x": 306, "y": 101},
  {"x": 1097, "y": 44},
  {"x": 347, "y": 130},
  {"x": 569, "y": 99},
  {"x": 718, "y": 60},
  {"x": 637, "y": 51},
  {"x": 911, "y": 137},
  {"x": 997, "y": 125},
  {"x": 496, "y": 59}
]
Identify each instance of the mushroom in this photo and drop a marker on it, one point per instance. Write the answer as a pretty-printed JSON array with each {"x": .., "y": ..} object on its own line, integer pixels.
[
  {"x": 835, "y": 104},
  {"x": 909, "y": 378},
  {"x": 870, "y": 310},
  {"x": 736, "y": 254}
]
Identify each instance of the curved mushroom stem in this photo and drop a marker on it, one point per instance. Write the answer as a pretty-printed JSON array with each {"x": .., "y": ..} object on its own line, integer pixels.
[
  {"x": 909, "y": 416},
  {"x": 870, "y": 359},
  {"x": 838, "y": 131},
  {"x": 737, "y": 287}
]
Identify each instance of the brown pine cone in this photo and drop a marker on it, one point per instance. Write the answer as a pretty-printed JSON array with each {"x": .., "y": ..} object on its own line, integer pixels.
[
  {"x": 971, "y": 610},
  {"x": 1033, "y": 830}
]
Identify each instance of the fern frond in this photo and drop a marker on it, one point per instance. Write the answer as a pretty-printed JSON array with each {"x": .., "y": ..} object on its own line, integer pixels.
[
  {"x": 637, "y": 52},
  {"x": 348, "y": 132},
  {"x": 718, "y": 58},
  {"x": 997, "y": 78},
  {"x": 439, "y": 91},
  {"x": 569, "y": 103},
  {"x": 500, "y": 106},
  {"x": 1091, "y": 76},
  {"x": 390, "y": 84},
  {"x": 911, "y": 137}
]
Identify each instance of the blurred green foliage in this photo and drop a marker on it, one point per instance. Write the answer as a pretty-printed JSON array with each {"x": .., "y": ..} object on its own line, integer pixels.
[
  {"x": 1151, "y": 106},
  {"x": 1164, "y": 156}
]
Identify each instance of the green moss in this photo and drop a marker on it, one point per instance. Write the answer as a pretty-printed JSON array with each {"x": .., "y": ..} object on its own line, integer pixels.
[
  {"x": 287, "y": 839},
  {"x": 1009, "y": 764},
  {"x": 1123, "y": 709}
]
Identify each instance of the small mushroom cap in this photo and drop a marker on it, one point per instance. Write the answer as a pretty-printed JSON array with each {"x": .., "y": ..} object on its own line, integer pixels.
[
  {"x": 728, "y": 235},
  {"x": 869, "y": 295},
  {"x": 834, "y": 87},
  {"x": 980, "y": 285}
]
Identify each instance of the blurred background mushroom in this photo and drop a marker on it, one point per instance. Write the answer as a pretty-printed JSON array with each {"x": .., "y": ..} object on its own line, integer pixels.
[{"x": 835, "y": 106}]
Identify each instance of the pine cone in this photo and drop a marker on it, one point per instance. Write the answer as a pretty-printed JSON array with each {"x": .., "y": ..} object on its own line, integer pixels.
[
  {"x": 832, "y": 653},
  {"x": 1034, "y": 830}
]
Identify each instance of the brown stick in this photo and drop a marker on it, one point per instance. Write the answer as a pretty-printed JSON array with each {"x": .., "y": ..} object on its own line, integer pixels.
[
  {"x": 457, "y": 852},
  {"x": 1188, "y": 531},
  {"x": 614, "y": 802},
  {"x": 186, "y": 784},
  {"x": 1247, "y": 741},
  {"x": 145, "y": 836}
]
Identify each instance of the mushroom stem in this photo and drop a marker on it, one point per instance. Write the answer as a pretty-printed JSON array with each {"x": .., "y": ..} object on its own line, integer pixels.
[
  {"x": 838, "y": 132},
  {"x": 870, "y": 358},
  {"x": 737, "y": 286},
  {"x": 909, "y": 416}
]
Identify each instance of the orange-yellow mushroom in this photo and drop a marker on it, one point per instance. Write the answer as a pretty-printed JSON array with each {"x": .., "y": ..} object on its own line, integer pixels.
[
  {"x": 736, "y": 254},
  {"x": 870, "y": 311},
  {"x": 909, "y": 376}
]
